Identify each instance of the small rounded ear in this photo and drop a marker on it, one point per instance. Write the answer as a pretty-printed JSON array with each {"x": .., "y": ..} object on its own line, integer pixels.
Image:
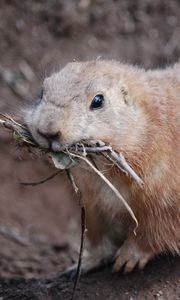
[{"x": 126, "y": 97}]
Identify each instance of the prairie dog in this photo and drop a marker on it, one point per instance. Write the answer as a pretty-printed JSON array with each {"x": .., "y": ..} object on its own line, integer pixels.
[{"x": 138, "y": 113}]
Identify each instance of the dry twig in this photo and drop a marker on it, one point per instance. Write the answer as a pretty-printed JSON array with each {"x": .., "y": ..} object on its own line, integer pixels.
[
  {"x": 83, "y": 229},
  {"x": 41, "y": 181}
]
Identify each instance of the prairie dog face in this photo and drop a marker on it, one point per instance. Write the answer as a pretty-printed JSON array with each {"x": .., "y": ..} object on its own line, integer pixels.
[{"x": 85, "y": 100}]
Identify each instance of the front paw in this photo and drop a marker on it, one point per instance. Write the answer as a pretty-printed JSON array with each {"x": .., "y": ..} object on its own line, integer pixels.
[{"x": 129, "y": 256}]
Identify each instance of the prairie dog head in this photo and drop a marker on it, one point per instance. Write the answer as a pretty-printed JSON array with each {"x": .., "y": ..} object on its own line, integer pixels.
[{"x": 85, "y": 100}]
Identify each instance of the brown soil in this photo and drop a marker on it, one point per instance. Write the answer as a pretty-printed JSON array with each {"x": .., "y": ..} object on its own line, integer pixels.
[{"x": 39, "y": 231}]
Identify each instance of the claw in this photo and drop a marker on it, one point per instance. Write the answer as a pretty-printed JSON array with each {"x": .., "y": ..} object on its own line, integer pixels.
[
  {"x": 142, "y": 263},
  {"x": 118, "y": 265},
  {"x": 129, "y": 256},
  {"x": 130, "y": 265}
]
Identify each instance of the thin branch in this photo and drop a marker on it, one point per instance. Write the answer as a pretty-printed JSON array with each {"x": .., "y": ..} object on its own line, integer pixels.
[
  {"x": 83, "y": 229},
  {"x": 72, "y": 181},
  {"x": 92, "y": 149},
  {"x": 123, "y": 163},
  {"x": 41, "y": 181},
  {"x": 8, "y": 117},
  {"x": 107, "y": 155},
  {"x": 18, "y": 128}
]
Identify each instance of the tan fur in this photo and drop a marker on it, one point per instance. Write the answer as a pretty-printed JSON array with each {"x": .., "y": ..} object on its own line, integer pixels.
[{"x": 141, "y": 119}]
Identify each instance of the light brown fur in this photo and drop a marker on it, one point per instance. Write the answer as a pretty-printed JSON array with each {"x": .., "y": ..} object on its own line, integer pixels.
[{"x": 141, "y": 119}]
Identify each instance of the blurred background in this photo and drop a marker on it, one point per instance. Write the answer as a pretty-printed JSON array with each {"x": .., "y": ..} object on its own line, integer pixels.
[{"x": 38, "y": 225}]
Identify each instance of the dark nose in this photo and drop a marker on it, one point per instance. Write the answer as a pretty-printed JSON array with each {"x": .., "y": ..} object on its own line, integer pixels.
[{"x": 50, "y": 136}]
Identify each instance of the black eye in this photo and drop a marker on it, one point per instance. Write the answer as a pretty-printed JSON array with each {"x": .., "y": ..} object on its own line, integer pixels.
[
  {"x": 97, "y": 102},
  {"x": 39, "y": 98}
]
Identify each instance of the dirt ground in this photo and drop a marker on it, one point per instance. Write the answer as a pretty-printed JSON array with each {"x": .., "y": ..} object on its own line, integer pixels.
[{"x": 39, "y": 226}]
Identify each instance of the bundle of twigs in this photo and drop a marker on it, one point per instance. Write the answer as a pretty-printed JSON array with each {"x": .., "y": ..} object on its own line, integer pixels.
[
  {"x": 78, "y": 151},
  {"x": 70, "y": 156}
]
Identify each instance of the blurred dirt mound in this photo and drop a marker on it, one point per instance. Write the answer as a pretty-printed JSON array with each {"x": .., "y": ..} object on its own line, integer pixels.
[{"x": 151, "y": 27}]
